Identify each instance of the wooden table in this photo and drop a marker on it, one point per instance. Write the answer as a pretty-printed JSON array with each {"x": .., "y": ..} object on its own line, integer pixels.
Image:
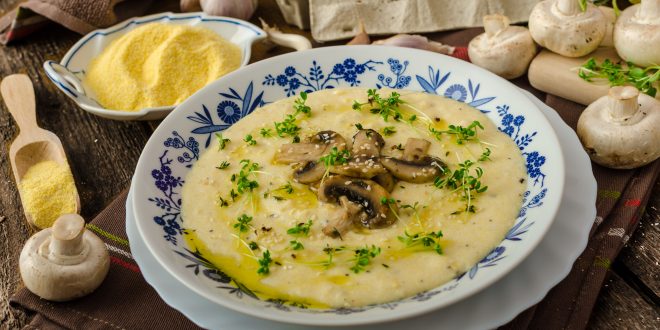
[{"x": 103, "y": 154}]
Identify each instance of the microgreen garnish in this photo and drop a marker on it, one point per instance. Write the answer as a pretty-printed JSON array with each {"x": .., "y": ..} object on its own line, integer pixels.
[
  {"x": 243, "y": 183},
  {"x": 644, "y": 79},
  {"x": 398, "y": 147},
  {"x": 412, "y": 118},
  {"x": 485, "y": 155},
  {"x": 222, "y": 142},
  {"x": 415, "y": 209},
  {"x": 462, "y": 134},
  {"x": 359, "y": 126},
  {"x": 264, "y": 263},
  {"x": 427, "y": 240},
  {"x": 223, "y": 165},
  {"x": 296, "y": 245},
  {"x": 363, "y": 257},
  {"x": 222, "y": 202},
  {"x": 243, "y": 223},
  {"x": 335, "y": 157},
  {"x": 249, "y": 140},
  {"x": 301, "y": 229},
  {"x": 266, "y": 132},
  {"x": 288, "y": 126},
  {"x": 253, "y": 245},
  {"x": 386, "y": 108},
  {"x": 389, "y": 130},
  {"x": 462, "y": 179},
  {"x": 386, "y": 201},
  {"x": 330, "y": 251}
]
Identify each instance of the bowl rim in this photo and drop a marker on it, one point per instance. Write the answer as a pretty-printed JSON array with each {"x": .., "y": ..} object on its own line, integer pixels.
[
  {"x": 70, "y": 84},
  {"x": 558, "y": 185}
]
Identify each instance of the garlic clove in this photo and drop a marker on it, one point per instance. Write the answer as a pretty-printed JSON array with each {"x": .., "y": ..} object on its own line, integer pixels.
[
  {"x": 241, "y": 9},
  {"x": 621, "y": 130},
  {"x": 637, "y": 33},
  {"x": 361, "y": 38},
  {"x": 562, "y": 27},
  {"x": 289, "y": 40},
  {"x": 504, "y": 50},
  {"x": 65, "y": 261},
  {"x": 416, "y": 41}
]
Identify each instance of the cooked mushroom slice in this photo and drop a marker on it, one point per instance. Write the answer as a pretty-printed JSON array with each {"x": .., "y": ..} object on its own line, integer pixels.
[
  {"x": 316, "y": 146},
  {"x": 309, "y": 172},
  {"x": 386, "y": 180},
  {"x": 415, "y": 149},
  {"x": 367, "y": 143},
  {"x": 419, "y": 171},
  {"x": 366, "y": 193},
  {"x": 352, "y": 213},
  {"x": 360, "y": 167}
]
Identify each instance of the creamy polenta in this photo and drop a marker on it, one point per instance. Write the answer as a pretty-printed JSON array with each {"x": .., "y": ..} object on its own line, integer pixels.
[{"x": 346, "y": 198}]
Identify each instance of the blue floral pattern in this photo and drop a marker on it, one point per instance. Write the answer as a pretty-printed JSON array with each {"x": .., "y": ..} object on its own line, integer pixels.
[{"x": 234, "y": 105}]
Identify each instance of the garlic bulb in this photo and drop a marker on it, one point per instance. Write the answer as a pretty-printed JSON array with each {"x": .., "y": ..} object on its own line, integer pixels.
[{"x": 241, "y": 9}]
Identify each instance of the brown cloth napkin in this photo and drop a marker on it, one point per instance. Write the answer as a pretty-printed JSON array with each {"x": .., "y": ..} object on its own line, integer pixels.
[
  {"x": 82, "y": 16},
  {"x": 125, "y": 301}
]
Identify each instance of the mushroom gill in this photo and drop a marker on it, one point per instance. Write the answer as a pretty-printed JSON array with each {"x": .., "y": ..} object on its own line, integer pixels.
[{"x": 415, "y": 166}]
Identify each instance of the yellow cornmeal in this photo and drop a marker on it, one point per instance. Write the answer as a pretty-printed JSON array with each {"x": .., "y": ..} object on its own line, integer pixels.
[
  {"x": 48, "y": 191},
  {"x": 159, "y": 65}
]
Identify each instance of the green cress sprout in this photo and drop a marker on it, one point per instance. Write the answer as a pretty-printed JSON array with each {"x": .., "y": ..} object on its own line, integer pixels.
[
  {"x": 462, "y": 179},
  {"x": 385, "y": 107},
  {"x": 616, "y": 75},
  {"x": 288, "y": 126},
  {"x": 264, "y": 263},
  {"x": 222, "y": 142},
  {"x": 427, "y": 240},
  {"x": 363, "y": 257}
]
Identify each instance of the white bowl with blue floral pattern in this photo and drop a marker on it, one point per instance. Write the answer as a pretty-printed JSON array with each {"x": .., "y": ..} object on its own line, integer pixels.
[
  {"x": 68, "y": 74},
  {"x": 180, "y": 139}
]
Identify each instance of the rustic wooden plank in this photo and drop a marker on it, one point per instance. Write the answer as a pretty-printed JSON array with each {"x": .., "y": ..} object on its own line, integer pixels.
[
  {"x": 620, "y": 307},
  {"x": 642, "y": 253}
]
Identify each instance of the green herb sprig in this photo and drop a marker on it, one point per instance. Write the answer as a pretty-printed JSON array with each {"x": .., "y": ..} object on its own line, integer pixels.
[
  {"x": 463, "y": 134},
  {"x": 243, "y": 223},
  {"x": 427, "y": 240},
  {"x": 389, "y": 130},
  {"x": 250, "y": 140},
  {"x": 644, "y": 79},
  {"x": 266, "y": 132},
  {"x": 264, "y": 263},
  {"x": 335, "y": 157},
  {"x": 242, "y": 178},
  {"x": 288, "y": 126},
  {"x": 363, "y": 257},
  {"x": 222, "y": 142},
  {"x": 223, "y": 165},
  {"x": 296, "y": 245},
  {"x": 464, "y": 180},
  {"x": 385, "y": 107},
  {"x": 300, "y": 229}
]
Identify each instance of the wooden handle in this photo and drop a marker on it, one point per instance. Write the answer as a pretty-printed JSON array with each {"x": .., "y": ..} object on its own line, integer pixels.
[{"x": 18, "y": 94}]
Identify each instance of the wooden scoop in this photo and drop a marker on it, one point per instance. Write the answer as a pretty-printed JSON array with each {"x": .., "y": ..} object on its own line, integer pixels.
[{"x": 33, "y": 144}]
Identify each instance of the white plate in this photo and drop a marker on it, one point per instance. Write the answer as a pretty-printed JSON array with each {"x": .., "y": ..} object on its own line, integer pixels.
[
  {"x": 185, "y": 134},
  {"x": 526, "y": 285},
  {"x": 68, "y": 74}
]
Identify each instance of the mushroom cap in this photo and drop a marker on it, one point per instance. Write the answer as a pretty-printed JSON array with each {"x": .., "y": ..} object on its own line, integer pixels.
[
  {"x": 423, "y": 170},
  {"x": 630, "y": 143},
  {"x": 367, "y": 143},
  {"x": 63, "y": 277},
  {"x": 567, "y": 35},
  {"x": 506, "y": 54},
  {"x": 637, "y": 40},
  {"x": 309, "y": 172},
  {"x": 366, "y": 193},
  {"x": 314, "y": 148}
]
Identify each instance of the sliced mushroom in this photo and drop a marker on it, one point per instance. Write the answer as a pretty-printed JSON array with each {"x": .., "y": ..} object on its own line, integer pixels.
[
  {"x": 415, "y": 165},
  {"x": 309, "y": 172},
  {"x": 364, "y": 162},
  {"x": 316, "y": 146},
  {"x": 415, "y": 149},
  {"x": 367, "y": 143},
  {"x": 418, "y": 171},
  {"x": 365, "y": 193},
  {"x": 352, "y": 213},
  {"x": 386, "y": 180}
]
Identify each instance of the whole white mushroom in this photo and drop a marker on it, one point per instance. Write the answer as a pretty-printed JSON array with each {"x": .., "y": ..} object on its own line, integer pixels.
[
  {"x": 562, "y": 27},
  {"x": 621, "y": 130},
  {"x": 637, "y": 33},
  {"x": 65, "y": 261},
  {"x": 503, "y": 49}
]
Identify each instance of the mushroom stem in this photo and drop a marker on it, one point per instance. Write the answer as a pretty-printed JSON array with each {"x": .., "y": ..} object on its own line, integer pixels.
[
  {"x": 623, "y": 103},
  {"x": 67, "y": 236},
  {"x": 648, "y": 12},
  {"x": 569, "y": 7},
  {"x": 494, "y": 24}
]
